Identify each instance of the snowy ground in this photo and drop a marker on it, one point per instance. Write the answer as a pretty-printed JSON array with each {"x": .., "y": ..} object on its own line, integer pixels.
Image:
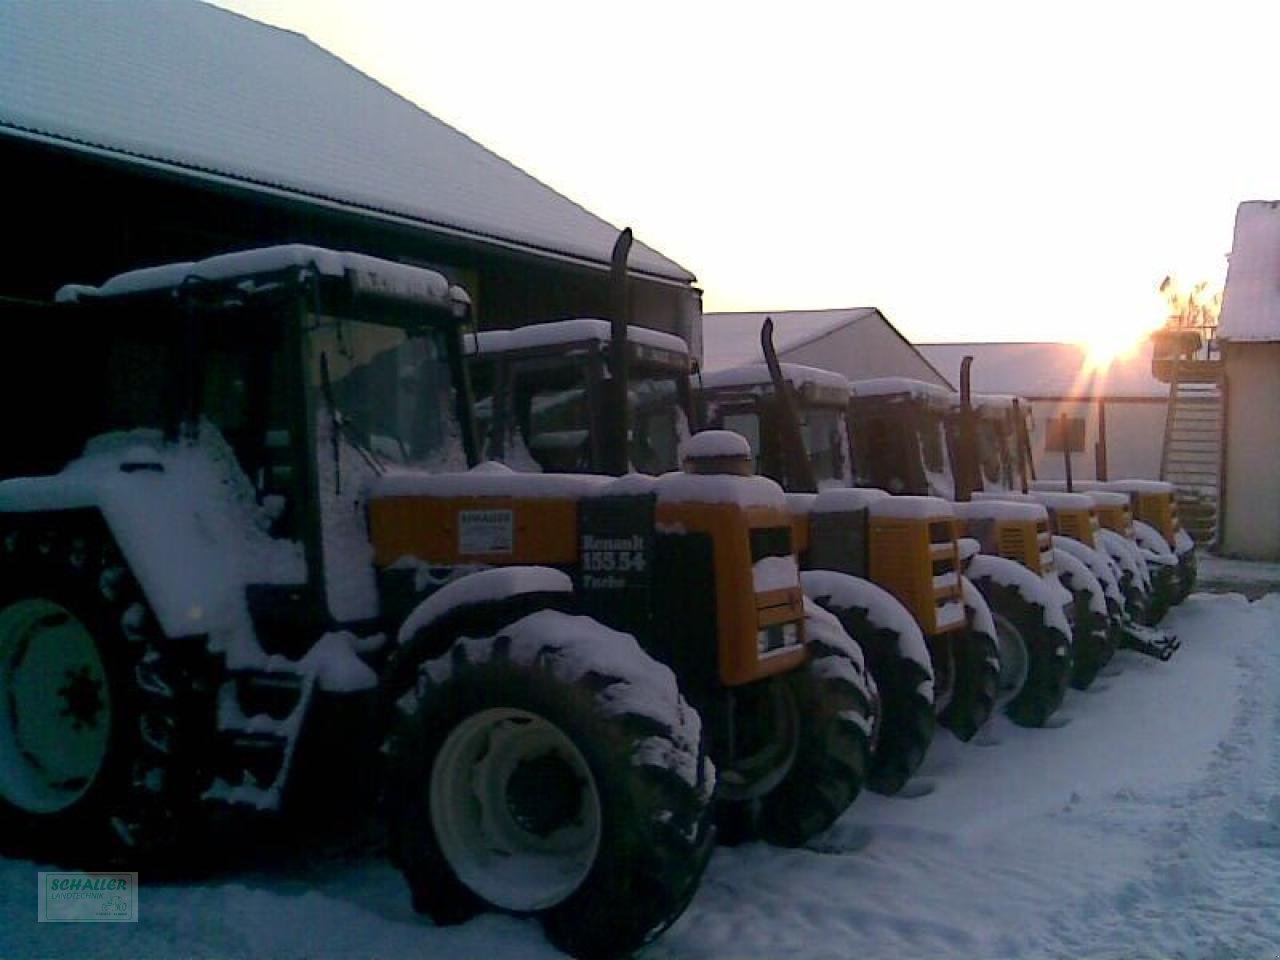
[{"x": 1148, "y": 826}]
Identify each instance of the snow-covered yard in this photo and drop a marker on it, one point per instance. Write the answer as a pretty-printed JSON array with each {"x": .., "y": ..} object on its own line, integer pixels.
[{"x": 1147, "y": 826}]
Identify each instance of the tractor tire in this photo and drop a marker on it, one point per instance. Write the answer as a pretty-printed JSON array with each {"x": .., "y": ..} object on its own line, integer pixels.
[
  {"x": 977, "y": 676},
  {"x": 906, "y": 702},
  {"x": 1048, "y": 654},
  {"x": 1092, "y": 637},
  {"x": 839, "y": 712},
  {"x": 1164, "y": 592},
  {"x": 550, "y": 770},
  {"x": 1187, "y": 569},
  {"x": 101, "y": 747}
]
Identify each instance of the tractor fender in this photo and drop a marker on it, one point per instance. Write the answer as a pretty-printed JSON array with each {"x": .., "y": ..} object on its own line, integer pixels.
[
  {"x": 184, "y": 543},
  {"x": 1034, "y": 589}
]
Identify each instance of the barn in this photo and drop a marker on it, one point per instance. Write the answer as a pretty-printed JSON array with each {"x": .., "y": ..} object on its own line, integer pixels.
[
  {"x": 162, "y": 130},
  {"x": 858, "y": 342},
  {"x": 1115, "y": 416}
]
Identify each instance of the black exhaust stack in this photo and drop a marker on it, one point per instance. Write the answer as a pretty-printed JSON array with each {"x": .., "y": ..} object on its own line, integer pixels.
[
  {"x": 967, "y": 439},
  {"x": 618, "y": 429},
  {"x": 799, "y": 467}
]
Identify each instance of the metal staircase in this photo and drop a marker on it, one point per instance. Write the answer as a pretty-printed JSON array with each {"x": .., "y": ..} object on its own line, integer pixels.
[{"x": 1191, "y": 458}]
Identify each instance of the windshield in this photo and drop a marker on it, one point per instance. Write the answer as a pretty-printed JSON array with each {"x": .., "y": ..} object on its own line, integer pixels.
[
  {"x": 551, "y": 421},
  {"x": 658, "y": 424},
  {"x": 992, "y": 455},
  {"x": 392, "y": 391},
  {"x": 931, "y": 425},
  {"x": 827, "y": 443}
]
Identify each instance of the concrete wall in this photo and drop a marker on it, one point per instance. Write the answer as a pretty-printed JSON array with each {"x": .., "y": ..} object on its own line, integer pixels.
[
  {"x": 1251, "y": 524},
  {"x": 862, "y": 350},
  {"x": 1135, "y": 432}
]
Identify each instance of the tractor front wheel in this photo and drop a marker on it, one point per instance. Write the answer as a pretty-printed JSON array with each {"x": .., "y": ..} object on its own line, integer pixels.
[{"x": 553, "y": 770}]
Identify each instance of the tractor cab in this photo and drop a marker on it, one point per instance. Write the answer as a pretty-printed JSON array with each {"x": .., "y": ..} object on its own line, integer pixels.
[
  {"x": 997, "y": 465},
  {"x": 900, "y": 438},
  {"x": 743, "y": 399},
  {"x": 542, "y": 402},
  {"x": 242, "y": 402}
]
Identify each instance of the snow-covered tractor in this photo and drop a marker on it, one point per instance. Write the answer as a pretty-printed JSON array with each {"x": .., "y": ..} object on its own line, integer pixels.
[
  {"x": 901, "y": 444},
  {"x": 1103, "y": 570},
  {"x": 267, "y": 577},
  {"x": 543, "y": 390},
  {"x": 889, "y": 567},
  {"x": 1002, "y": 460},
  {"x": 548, "y": 399}
]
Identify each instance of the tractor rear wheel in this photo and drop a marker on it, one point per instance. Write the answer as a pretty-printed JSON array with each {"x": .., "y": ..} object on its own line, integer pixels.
[
  {"x": 976, "y": 660},
  {"x": 554, "y": 770},
  {"x": 840, "y": 712},
  {"x": 1047, "y": 653},
  {"x": 96, "y": 756},
  {"x": 906, "y": 699}
]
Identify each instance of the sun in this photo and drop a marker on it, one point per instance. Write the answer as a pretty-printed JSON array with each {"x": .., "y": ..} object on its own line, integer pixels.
[{"x": 1116, "y": 341}]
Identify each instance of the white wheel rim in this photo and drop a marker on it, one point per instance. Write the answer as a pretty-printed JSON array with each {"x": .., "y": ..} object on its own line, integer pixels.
[
  {"x": 1014, "y": 661},
  {"x": 488, "y": 823},
  {"x": 55, "y": 707}
]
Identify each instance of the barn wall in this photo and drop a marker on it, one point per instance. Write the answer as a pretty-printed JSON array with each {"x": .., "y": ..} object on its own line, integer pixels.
[
  {"x": 1251, "y": 525},
  {"x": 1135, "y": 432},
  {"x": 862, "y": 350},
  {"x": 81, "y": 219}
]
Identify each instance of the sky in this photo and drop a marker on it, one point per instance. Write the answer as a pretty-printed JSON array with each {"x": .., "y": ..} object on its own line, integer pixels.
[{"x": 979, "y": 171}]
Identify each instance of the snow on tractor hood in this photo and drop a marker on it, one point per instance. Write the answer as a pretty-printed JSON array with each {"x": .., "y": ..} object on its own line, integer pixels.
[
  {"x": 492, "y": 479},
  {"x": 186, "y": 522}
]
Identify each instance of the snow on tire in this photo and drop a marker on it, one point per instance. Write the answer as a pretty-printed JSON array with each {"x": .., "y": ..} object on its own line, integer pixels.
[
  {"x": 551, "y": 769},
  {"x": 1047, "y": 646},
  {"x": 839, "y": 712},
  {"x": 898, "y": 660},
  {"x": 1092, "y": 644}
]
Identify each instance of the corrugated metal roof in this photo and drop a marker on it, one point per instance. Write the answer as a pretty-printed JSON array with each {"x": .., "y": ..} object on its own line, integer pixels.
[
  {"x": 1046, "y": 370},
  {"x": 733, "y": 339},
  {"x": 1251, "y": 302},
  {"x": 208, "y": 92}
]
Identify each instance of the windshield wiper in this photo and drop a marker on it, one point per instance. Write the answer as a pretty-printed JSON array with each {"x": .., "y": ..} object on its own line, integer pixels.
[{"x": 341, "y": 426}]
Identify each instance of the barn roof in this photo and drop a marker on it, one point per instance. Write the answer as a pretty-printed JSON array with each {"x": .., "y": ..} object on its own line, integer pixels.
[
  {"x": 1251, "y": 303},
  {"x": 1047, "y": 370},
  {"x": 194, "y": 89},
  {"x": 733, "y": 339}
]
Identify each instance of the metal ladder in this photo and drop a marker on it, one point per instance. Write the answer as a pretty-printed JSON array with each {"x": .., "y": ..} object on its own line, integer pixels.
[{"x": 1191, "y": 457}]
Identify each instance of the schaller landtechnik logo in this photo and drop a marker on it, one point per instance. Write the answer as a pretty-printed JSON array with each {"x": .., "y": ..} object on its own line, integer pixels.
[{"x": 88, "y": 897}]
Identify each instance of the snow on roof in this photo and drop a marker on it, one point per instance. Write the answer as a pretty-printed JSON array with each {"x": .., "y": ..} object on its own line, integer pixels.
[
  {"x": 402, "y": 279},
  {"x": 1046, "y": 370},
  {"x": 892, "y": 386},
  {"x": 757, "y": 374},
  {"x": 566, "y": 332},
  {"x": 733, "y": 339},
  {"x": 186, "y": 86},
  {"x": 1251, "y": 302}
]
